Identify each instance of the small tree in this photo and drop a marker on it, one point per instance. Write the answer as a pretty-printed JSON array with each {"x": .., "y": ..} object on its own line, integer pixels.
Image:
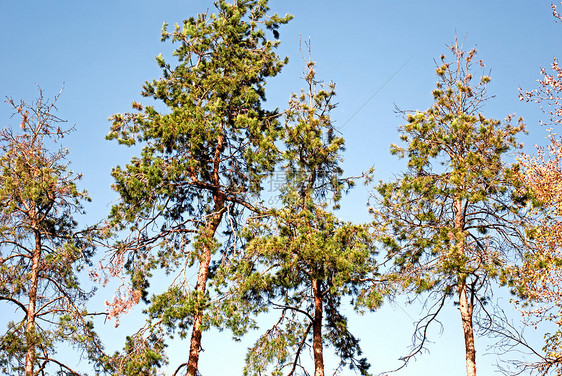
[
  {"x": 452, "y": 221},
  {"x": 202, "y": 162},
  {"x": 300, "y": 259},
  {"x": 41, "y": 249}
]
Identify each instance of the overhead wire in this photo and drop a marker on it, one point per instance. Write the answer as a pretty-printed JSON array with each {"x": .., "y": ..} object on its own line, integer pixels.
[{"x": 377, "y": 91}]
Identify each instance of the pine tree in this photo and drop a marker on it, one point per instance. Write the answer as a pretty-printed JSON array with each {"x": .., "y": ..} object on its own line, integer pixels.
[
  {"x": 300, "y": 259},
  {"x": 201, "y": 166},
  {"x": 452, "y": 221},
  {"x": 41, "y": 249}
]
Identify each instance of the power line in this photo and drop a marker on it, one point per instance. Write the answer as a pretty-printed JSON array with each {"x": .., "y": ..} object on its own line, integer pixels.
[{"x": 376, "y": 92}]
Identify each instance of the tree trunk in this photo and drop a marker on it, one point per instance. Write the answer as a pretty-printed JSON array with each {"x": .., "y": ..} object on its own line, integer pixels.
[
  {"x": 317, "y": 345},
  {"x": 464, "y": 302},
  {"x": 200, "y": 288},
  {"x": 31, "y": 307},
  {"x": 207, "y": 237},
  {"x": 467, "y": 327}
]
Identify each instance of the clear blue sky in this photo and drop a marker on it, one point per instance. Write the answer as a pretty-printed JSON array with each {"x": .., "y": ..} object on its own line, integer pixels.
[{"x": 104, "y": 50}]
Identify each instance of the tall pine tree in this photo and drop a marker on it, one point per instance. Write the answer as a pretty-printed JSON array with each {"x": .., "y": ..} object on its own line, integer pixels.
[
  {"x": 201, "y": 165},
  {"x": 300, "y": 259},
  {"x": 452, "y": 221}
]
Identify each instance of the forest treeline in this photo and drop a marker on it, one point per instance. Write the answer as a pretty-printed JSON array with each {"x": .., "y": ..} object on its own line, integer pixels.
[{"x": 463, "y": 219}]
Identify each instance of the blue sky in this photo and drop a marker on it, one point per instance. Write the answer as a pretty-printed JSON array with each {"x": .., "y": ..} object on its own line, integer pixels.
[{"x": 103, "y": 51}]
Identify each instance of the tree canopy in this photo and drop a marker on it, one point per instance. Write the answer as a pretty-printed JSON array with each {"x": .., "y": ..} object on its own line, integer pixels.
[
  {"x": 202, "y": 162},
  {"x": 539, "y": 276},
  {"x": 300, "y": 259},
  {"x": 453, "y": 221},
  {"x": 42, "y": 249},
  {"x": 195, "y": 249}
]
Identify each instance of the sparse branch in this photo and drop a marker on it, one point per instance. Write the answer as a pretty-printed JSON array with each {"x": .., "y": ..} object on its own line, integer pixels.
[
  {"x": 16, "y": 302},
  {"x": 299, "y": 349}
]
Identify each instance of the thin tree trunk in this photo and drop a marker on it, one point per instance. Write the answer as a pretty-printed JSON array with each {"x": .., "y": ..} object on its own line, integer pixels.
[
  {"x": 200, "y": 288},
  {"x": 208, "y": 237},
  {"x": 464, "y": 302},
  {"x": 30, "y": 319},
  {"x": 317, "y": 345},
  {"x": 467, "y": 327}
]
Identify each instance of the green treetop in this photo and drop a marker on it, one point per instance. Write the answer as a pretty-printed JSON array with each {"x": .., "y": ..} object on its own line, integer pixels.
[
  {"x": 202, "y": 162},
  {"x": 300, "y": 259},
  {"x": 452, "y": 220}
]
